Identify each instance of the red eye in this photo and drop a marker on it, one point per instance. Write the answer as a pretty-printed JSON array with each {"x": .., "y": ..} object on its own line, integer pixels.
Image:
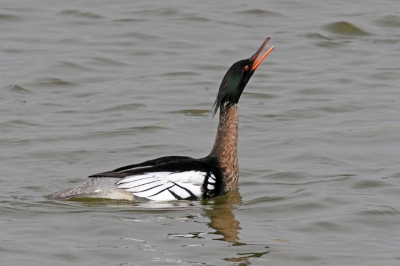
[{"x": 246, "y": 68}]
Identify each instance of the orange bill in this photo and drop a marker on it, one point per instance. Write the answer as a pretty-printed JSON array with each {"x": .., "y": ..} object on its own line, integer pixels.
[{"x": 259, "y": 60}]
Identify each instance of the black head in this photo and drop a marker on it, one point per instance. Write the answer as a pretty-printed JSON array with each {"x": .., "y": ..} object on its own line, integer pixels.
[{"x": 235, "y": 80}]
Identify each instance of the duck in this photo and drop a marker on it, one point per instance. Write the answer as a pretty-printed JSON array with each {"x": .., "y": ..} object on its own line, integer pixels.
[{"x": 180, "y": 177}]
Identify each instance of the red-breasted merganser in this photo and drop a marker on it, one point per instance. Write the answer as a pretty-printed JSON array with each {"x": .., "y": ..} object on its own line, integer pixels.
[{"x": 181, "y": 177}]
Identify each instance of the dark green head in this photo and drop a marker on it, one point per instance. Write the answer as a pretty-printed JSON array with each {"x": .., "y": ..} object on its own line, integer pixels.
[{"x": 235, "y": 80}]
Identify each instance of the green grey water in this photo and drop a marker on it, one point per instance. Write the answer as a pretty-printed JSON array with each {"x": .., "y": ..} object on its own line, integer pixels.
[{"x": 89, "y": 86}]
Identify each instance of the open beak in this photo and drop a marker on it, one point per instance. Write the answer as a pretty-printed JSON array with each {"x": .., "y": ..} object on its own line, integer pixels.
[{"x": 258, "y": 61}]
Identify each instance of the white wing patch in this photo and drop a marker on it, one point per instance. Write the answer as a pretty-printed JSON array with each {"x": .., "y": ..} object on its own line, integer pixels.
[{"x": 164, "y": 186}]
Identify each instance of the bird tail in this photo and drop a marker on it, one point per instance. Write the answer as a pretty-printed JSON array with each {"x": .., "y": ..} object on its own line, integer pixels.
[{"x": 101, "y": 187}]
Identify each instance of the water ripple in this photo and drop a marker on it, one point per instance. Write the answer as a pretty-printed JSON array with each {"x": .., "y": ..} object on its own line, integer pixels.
[
  {"x": 389, "y": 21},
  {"x": 345, "y": 28},
  {"x": 258, "y": 12},
  {"x": 16, "y": 89},
  {"x": 77, "y": 13}
]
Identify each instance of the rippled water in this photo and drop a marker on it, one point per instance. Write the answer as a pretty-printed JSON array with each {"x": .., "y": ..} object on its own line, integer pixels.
[{"x": 89, "y": 86}]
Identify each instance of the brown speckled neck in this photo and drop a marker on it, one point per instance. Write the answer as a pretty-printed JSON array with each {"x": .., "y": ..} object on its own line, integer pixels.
[{"x": 225, "y": 146}]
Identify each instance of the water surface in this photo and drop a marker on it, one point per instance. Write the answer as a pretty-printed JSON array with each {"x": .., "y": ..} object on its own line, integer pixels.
[{"x": 91, "y": 86}]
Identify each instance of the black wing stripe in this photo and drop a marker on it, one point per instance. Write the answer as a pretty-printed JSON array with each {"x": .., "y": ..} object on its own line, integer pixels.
[
  {"x": 155, "y": 162},
  {"x": 146, "y": 184},
  {"x": 139, "y": 191},
  {"x": 192, "y": 196},
  {"x": 161, "y": 191},
  {"x": 175, "y": 195},
  {"x": 128, "y": 179}
]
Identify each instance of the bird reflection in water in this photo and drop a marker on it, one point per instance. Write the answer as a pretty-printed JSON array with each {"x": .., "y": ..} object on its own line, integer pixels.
[{"x": 220, "y": 211}]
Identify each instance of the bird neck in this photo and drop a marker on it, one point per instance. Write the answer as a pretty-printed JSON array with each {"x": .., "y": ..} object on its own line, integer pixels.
[{"x": 225, "y": 145}]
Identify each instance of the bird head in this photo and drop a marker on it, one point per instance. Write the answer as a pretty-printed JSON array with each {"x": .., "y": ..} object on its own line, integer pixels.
[{"x": 237, "y": 77}]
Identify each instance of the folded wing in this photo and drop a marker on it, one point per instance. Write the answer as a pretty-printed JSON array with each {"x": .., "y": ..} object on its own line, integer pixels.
[
  {"x": 167, "y": 178},
  {"x": 162, "y": 186}
]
